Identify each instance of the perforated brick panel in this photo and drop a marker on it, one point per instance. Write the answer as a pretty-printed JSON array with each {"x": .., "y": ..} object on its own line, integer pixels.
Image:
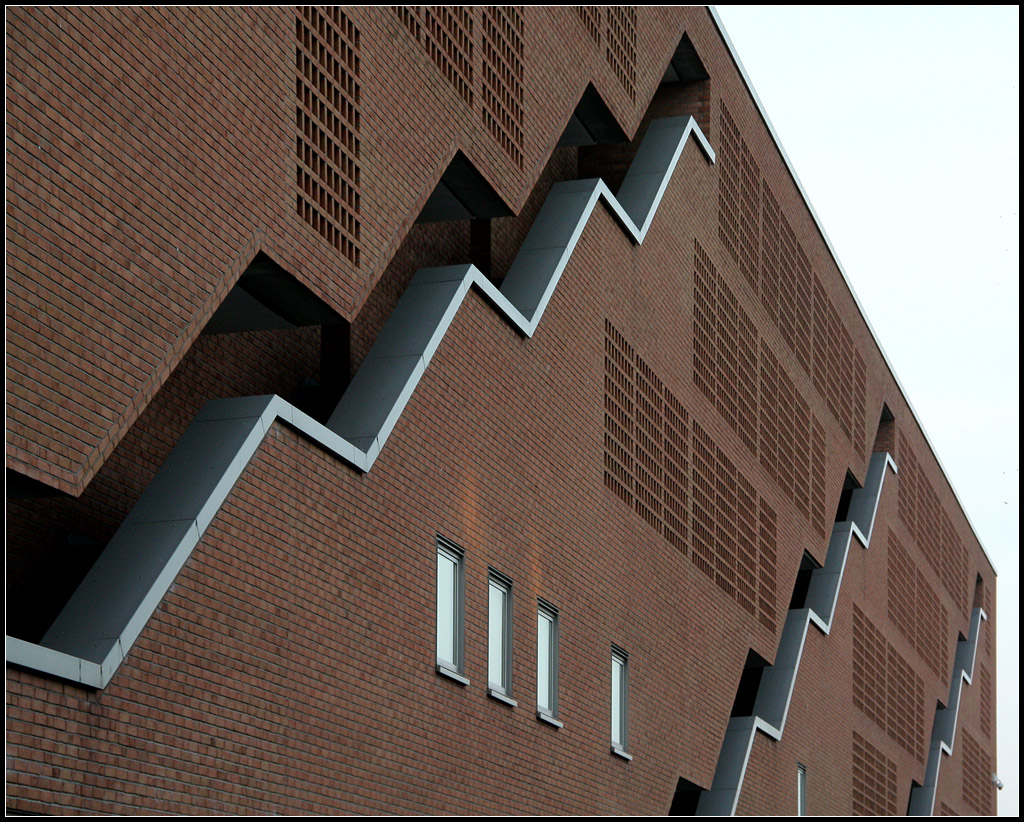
[
  {"x": 760, "y": 239},
  {"x": 991, "y": 627},
  {"x": 502, "y": 73},
  {"x": 620, "y": 46},
  {"x": 762, "y": 404},
  {"x": 619, "y": 414},
  {"x": 704, "y": 324},
  {"x": 954, "y": 562},
  {"x": 590, "y": 16},
  {"x": 906, "y": 705},
  {"x": 327, "y": 122},
  {"x": 725, "y": 531},
  {"x": 649, "y": 432},
  {"x": 869, "y": 665},
  {"x": 833, "y": 360},
  {"x": 945, "y": 810},
  {"x": 715, "y": 560},
  {"x": 977, "y": 785},
  {"x": 885, "y": 688},
  {"x": 907, "y": 494},
  {"x": 646, "y": 436},
  {"x": 494, "y": 72},
  {"x": 785, "y": 280},
  {"x": 929, "y": 531},
  {"x": 915, "y": 609},
  {"x": 926, "y": 519},
  {"x": 819, "y": 513},
  {"x": 767, "y": 599},
  {"x": 677, "y": 472},
  {"x": 448, "y": 39},
  {"x": 769, "y": 437},
  {"x": 647, "y": 467},
  {"x": 738, "y": 198},
  {"x": 410, "y": 19},
  {"x": 798, "y": 426},
  {"x": 874, "y": 780},
  {"x": 859, "y": 391},
  {"x": 738, "y": 497},
  {"x": 819, "y": 340},
  {"x": 786, "y": 441},
  {"x": 985, "y": 691},
  {"x": 725, "y": 346}
]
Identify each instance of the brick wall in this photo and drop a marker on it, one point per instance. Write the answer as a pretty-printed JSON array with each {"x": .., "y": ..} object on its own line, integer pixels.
[{"x": 655, "y": 461}]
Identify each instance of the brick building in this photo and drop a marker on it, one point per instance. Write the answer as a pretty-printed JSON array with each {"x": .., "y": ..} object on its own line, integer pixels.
[{"x": 456, "y": 410}]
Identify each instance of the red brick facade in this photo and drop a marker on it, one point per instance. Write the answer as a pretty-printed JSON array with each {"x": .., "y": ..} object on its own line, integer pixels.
[{"x": 664, "y": 460}]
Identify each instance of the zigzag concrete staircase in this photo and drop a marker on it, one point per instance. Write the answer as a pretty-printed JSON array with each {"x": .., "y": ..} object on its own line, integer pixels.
[
  {"x": 771, "y": 705},
  {"x": 98, "y": 626}
]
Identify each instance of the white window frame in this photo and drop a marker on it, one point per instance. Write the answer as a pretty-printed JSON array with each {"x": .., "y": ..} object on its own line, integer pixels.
[
  {"x": 547, "y": 663},
  {"x": 450, "y": 631},
  {"x": 499, "y": 637},
  {"x": 620, "y": 703},
  {"x": 801, "y": 789}
]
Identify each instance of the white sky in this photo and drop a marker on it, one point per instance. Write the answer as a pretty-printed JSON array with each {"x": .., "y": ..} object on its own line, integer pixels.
[{"x": 902, "y": 124}]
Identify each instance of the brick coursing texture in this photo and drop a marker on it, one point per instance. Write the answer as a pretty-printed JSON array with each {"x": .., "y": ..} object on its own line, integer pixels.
[
  {"x": 503, "y": 109},
  {"x": 51, "y": 543},
  {"x": 874, "y": 780},
  {"x": 885, "y": 687},
  {"x": 762, "y": 403},
  {"x": 978, "y": 790},
  {"x": 327, "y": 118},
  {"x": 479, "y": 52},
  {"x": 985, "y": 692},
  {"x": 927, "y": 521},
  {"x": 620, "y": 46},
  {"x": 915, "y": 609},
  {"x": 236, "y": 153},
  {"x": 647, "y": 457},
  {"x": 290, "y": 668}
]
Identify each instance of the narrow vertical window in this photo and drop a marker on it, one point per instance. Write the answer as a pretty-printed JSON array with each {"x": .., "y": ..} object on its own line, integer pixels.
[
  {"x": 620, "y": 702},
  {"x": 450, "y": 599},
  {"x": 499, "y": 636},
  {"x": 547, "y": 663},
  {"x": 801, "y": 790}
]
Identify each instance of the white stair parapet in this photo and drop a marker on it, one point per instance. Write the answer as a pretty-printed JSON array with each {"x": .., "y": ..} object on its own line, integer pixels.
[
  {"x": 100, "y": 623},
  {"x": 922, "y": 797},
  {"x": 775, "y": 690}
]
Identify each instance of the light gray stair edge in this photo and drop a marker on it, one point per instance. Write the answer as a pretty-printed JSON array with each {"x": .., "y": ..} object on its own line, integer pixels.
[
  {"x": 922, "y": 797},
  {"x": 775, "y": 691},
  {"x": 97, "y": 628}
]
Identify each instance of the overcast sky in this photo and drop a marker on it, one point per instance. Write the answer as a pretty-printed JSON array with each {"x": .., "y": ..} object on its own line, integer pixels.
[{"x": 902, "y": 124}]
